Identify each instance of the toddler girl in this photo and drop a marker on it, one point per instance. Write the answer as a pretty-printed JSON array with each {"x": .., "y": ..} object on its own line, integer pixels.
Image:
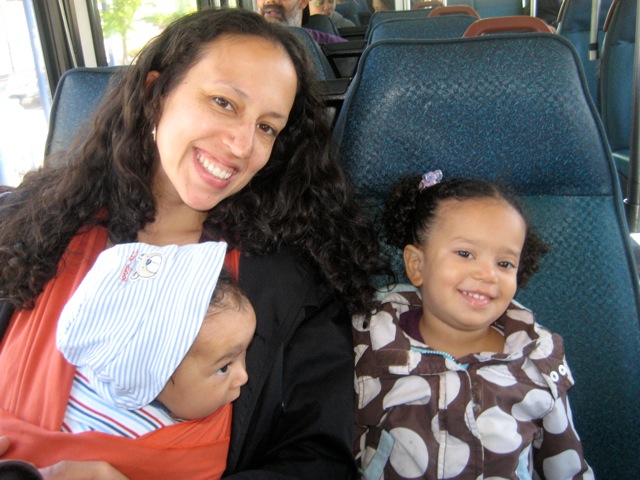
[{"x": 458, "y": 381}]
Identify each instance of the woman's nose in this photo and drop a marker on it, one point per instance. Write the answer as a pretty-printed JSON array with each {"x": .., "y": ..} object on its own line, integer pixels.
[{"x": 240, "y": 141}]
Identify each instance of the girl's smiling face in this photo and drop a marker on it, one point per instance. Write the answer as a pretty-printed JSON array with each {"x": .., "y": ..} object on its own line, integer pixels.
[
  {"x": 467, "y": 270},
  {"x": 218, "y": 125}
]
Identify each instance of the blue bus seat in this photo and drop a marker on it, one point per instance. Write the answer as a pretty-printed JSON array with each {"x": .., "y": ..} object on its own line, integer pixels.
[
  {"x": 349, "y": 11},
  {"x": 616, "y": 81},
  {"x": 378, "y": 17},
  {"x": 445, "y": 26},
  {"x": 515, "y": 108},
  {"x": 321, "y": 23},
  {"x": 493, "y": 8},
  {"x": 323, "y": 69},
  {"x": 575, "y": 25},
  {"x": 77, "y": 95}
]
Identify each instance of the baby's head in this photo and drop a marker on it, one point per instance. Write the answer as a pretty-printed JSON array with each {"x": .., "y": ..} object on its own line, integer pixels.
[
  {"x": 214, "y": 369},
  {"x": 413, "y": 213},
  {"x": 149, "y": 319}
]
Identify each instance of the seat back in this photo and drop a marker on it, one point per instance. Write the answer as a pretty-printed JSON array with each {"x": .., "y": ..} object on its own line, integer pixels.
[
  {"x": 493, "y": 8},
  {"x": 378, "y": 17},
  {"x": 348, "y": 10},
  {"x": 321, "y": 23},
  {"x": 446, "y": 26},
  {"x": 323, "y": 69},
  {"x": 575, "y": 25},
  {"x": 616, "y": 81},
  {"x": 77, "y": 95},
  {"x": 494, "y": 107}
]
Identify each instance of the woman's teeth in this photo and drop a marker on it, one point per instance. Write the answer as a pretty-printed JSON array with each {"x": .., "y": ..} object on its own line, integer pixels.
[{"x": 213, "y": 169}]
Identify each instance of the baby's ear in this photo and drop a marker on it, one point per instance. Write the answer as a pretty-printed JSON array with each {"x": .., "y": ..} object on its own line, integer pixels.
[{"x": 413, "y": 262}]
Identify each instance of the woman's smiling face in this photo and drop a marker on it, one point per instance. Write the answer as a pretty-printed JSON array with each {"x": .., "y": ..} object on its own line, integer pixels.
[{"x": 219, "y": 124}]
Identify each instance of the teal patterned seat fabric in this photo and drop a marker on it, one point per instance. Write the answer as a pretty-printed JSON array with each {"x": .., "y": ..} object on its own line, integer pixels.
[
  {"x": 443, "y": 26},
  {"x": 515, "y": 108},
  {"x": 77, "y": 95}
]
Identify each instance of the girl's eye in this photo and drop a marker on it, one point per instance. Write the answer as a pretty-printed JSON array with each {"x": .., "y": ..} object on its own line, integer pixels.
[
  {"x": 223, "y": 103},
  {"x": 463, "y": 253},
  {"x": 269, "y": 130},
  {"x": 223, "y": 370},
  {"x": 507, "y": 265}
]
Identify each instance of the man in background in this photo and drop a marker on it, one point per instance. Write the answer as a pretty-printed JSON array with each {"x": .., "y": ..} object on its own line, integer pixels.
[{"x": 290, "y": 12}]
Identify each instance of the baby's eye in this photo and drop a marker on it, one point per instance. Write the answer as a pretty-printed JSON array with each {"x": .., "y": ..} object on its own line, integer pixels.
[
  {"x": 507, "y": 265},
  {"x": 223, "y": 103},
  {"x": 223, "y": 370},
  {"x": 464, "y": 253},
  {"x": 268, "y": 129}
]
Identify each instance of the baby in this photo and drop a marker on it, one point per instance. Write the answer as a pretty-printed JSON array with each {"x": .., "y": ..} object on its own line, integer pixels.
[{"x": 154, "y": 332}]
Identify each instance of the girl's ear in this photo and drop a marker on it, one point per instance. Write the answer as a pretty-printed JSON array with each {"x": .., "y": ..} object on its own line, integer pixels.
[{"x": 413, "y": 261}]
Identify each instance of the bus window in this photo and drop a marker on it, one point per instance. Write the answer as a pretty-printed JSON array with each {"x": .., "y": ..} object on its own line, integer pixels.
[
  {"x": 25, "y": 99},
  {"x": 128, "y": 24}
]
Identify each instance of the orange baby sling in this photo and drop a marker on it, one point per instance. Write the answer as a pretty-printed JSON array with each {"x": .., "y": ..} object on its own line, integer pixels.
[{"x": 36, "y": 381}]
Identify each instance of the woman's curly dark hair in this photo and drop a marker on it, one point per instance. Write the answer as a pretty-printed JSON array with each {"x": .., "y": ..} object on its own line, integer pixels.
[
  {"x": 301, "y": 198},
  {"x": 410, "y": 212}
]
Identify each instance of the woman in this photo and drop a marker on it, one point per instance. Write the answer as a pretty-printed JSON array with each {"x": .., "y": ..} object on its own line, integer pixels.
[{"x": 215, "y": 132}]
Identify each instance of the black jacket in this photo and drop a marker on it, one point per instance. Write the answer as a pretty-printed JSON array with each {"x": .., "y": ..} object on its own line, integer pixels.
[{"x": 295, "y": 416}]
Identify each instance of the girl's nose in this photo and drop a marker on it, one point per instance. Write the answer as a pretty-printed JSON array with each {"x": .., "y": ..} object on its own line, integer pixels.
[{"x": 485, "y": 271}]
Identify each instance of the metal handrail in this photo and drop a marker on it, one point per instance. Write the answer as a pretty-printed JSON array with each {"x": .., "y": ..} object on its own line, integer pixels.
[{"x": 632, "y": 201}]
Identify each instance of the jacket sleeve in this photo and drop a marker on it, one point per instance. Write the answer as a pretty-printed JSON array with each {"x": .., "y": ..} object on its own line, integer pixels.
[
  {"x": 294, "y": 418},
  {"x": 558, "y": 452},
  {"x": 362, "y": 344}
]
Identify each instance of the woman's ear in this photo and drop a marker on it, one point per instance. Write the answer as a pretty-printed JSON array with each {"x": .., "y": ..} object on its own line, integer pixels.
[
  {"x": 151, "y": 77},
  {"x": 413, "y": 261}
]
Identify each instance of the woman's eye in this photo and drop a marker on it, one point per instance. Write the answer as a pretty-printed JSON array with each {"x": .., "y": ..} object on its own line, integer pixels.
[
  {"x": 223, "y": 103},
  {"x": 268, "y": 129},
  {"x": 463, "y": 253},
  {"x": 223, "y": 370}
]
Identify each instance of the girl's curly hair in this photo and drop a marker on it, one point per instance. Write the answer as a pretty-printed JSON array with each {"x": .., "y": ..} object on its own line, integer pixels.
[
  {"x": 301, "y": 198},
  {"x": 410, "y": 212}
]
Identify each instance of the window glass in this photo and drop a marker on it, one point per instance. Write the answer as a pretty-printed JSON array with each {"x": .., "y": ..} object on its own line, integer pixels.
[
  {"x": 127, "y": 25},
  {"x": 25, "y": 99}
]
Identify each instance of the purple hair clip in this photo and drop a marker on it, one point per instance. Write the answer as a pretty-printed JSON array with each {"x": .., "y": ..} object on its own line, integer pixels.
[{"x": 429, "y": 179}]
